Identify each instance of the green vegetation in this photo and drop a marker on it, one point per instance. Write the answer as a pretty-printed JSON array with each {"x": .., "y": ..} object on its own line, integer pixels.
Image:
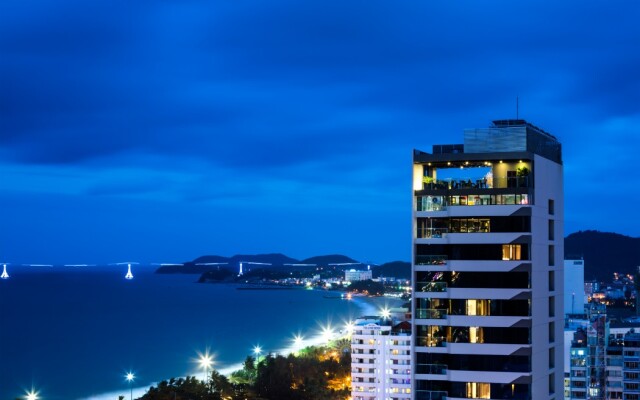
[{"x": 314, "y": 373}]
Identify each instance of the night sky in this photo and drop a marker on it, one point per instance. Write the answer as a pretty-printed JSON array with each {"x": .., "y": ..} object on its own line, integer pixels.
[{"x": 164, "y": 130}]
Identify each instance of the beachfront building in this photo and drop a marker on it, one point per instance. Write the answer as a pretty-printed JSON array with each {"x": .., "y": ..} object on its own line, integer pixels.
[
  {"x": 353, "y": 275},
  {"x": 380, "y": 360},
  {"x": 487, "y": 266}
]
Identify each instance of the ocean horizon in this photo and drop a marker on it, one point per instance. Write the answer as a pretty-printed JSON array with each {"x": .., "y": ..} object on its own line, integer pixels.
[{"x": 73, "y": 333}]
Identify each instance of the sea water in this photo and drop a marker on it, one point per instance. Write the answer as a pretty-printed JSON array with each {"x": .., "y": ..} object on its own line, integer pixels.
[{"x": 73, "y": 333}]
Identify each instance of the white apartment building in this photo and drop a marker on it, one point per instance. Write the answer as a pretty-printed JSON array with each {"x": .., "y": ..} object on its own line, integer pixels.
[
  {"x": 487, "y": 266},
  {"x": 353, "y": 275},
  {"x": 575, "y": 298},
  {"x": 380, "y": 360}
]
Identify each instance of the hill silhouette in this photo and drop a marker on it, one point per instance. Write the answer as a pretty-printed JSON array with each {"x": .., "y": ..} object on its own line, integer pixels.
[
  {"x": 271, "y": 260},
  {"x": 397, "y": 269},
  {"x": 329, "y": 259},
  {"x": 603, "y": 253}
]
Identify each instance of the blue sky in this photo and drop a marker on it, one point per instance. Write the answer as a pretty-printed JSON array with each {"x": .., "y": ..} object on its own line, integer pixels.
[{"x": 164, "y": 130}]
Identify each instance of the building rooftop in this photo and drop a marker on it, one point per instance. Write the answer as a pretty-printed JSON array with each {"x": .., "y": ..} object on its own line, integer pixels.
[{"x": 503, "y": 136}]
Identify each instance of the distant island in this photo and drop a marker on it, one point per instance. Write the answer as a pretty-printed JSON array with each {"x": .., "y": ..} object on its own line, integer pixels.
[
  {"x": 603, "y": 253},
  {"x": 278, "y": 271}
]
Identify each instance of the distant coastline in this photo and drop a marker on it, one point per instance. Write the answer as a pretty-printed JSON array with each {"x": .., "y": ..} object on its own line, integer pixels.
[
  {"x": 368, "y": 305},
  {"x": 268, "y": 287}
]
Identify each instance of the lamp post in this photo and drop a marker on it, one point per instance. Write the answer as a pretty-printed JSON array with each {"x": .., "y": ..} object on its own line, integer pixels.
[
  {"x": 327, "y": 333},
  {"x": 205, "y": 362},
  {"x": 297, "y": 341},
  {"x": 130, "y": 377},
  {"x": 349, "y": 328},
  {"x": 32, "y": 395}
]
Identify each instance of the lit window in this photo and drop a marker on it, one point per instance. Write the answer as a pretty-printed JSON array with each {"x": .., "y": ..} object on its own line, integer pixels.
[{"x": 511, "y": 252}]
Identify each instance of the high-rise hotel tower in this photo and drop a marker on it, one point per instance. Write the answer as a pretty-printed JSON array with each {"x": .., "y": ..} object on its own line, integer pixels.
[{"x": 488, "y": 266}]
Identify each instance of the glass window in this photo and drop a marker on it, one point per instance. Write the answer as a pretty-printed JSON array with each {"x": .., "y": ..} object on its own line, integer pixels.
[{"x": 511, "y": 252}]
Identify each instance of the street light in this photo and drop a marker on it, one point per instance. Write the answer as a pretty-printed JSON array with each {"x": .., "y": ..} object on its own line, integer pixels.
[
  {"x": 130, "y": 377},
  {"x": 205, "y": 362},
  {"x": 327, "y": 333},
  {"x": 349, "y": 327},
  {"x": 32, "y": 395},
  {"x": 385, "y": 313},
  {"x": 257, "y": 350},
  {"x": 297, "y": 341}
]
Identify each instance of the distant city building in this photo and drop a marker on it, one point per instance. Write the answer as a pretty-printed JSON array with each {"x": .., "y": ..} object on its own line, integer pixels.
[
  {"x": 574, "y": 293},
  {"x": 353, "y": 275},
  {"x": 604, "y": 359},
  {"x": 380, "y": 360},
  {"x": 588, "y": 368},
  {"x": 590, "y": 288},
  {"x": 487, "y": 266}
]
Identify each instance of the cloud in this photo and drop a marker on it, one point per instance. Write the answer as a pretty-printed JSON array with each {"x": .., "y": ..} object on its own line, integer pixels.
[{"x": 300, "y": 105}]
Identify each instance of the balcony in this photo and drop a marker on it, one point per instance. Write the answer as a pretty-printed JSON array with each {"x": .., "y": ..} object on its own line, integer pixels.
[
  {"x": 431, "y": 260},
  {"x": 501, "y": 182},
  {"x": 432, "y": 233},
  {"x": 430, "y": 395},
  {"x": 432, "y": 369},
  {"x": 431, "y": 286},
  {"x": 431, "y": 313},
  {"x": 455, "y": 201},
  {"x": 431, "y": 203},
  {"x": 431, "y": 341}
]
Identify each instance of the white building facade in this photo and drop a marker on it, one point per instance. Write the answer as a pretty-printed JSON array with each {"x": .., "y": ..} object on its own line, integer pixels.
[
  {"x": 353, "y": 275},
  {"x": 575, "y": 298},
  {"x": 380, "y": 360},
  {"x": 488, "y": 266}
]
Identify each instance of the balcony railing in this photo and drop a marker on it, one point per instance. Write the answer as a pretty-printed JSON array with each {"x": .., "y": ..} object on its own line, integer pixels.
[
  {"x": 494, "y": 183},
  {"x": 431, "y": 341},
  {"x": 432, "y": 233},
  {"x": 431, "y": 313},
  {"x": 431, "y": 203},
  {"x": 434, "y": 369},
  {"x": 430, "y": 395},
  {"x": 431, "y": 260},
  {"x": 431, "y": 286},
  {"x": 441, "y": 203}
]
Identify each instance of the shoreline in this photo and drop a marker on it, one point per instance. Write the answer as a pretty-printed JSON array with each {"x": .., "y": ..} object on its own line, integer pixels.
[{"x": 367, "y": 305}]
